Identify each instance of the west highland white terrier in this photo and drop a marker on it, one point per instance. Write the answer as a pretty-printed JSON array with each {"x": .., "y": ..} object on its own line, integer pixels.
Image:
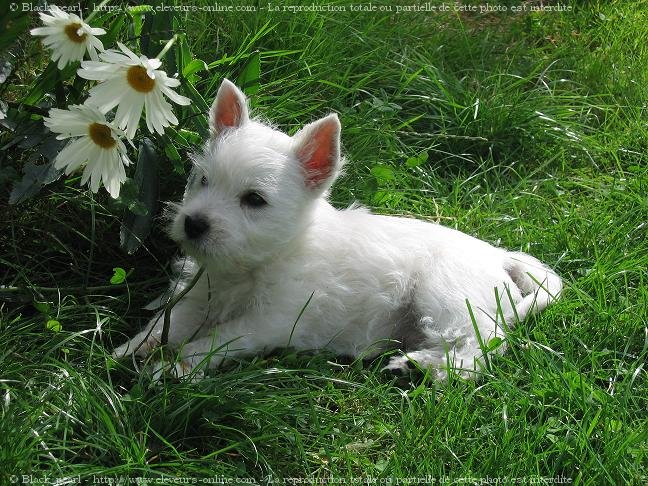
[{"x": 283, "y": 268}]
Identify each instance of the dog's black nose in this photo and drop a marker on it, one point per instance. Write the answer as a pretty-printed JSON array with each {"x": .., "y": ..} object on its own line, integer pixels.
[{"x": 195, "y": 226}]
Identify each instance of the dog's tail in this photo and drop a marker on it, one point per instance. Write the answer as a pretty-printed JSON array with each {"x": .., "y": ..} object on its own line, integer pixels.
[{"x": 539, "y": 284}]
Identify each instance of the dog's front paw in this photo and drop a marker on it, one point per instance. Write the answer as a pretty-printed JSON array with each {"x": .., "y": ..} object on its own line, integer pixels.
[
  {"x": 138, "y": 347},
  {"x": 183, "y": 369}
]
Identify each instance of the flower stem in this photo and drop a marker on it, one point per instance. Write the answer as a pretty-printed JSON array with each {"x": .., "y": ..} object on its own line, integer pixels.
[
  {"x": 98, "y": 8},
  {"x": 167, "y": 47}
]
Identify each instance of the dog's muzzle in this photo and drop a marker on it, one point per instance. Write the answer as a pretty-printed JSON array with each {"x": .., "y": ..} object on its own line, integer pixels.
[{"x": 195, "y": 226}]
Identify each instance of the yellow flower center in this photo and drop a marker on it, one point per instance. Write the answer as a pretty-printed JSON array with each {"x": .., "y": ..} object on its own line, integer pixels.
[
  {"x": 71, "y": 31},
  {"x": 101, "y": 135},
  {"x": 139, "y": 79}
]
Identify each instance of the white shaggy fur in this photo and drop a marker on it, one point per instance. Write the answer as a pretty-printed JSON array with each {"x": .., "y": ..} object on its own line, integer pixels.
[{"x": 297, "y": 272}]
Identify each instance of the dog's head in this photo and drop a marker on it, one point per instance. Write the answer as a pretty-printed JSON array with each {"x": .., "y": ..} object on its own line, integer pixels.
[{"x": 252, "y": 190}]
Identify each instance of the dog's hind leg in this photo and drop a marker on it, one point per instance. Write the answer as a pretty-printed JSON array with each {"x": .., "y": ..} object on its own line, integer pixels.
[{"x": 464, "y": 360}]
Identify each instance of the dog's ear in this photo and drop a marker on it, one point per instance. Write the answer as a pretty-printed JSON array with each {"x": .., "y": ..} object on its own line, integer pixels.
[
  {"x": 229, "y": 109},
  {"x": 318, "y": 150}
]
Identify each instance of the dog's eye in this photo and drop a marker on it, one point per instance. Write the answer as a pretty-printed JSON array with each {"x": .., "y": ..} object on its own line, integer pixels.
[
  {"x": 253, "y": 199},
  {"x": 203, "y": 181}
]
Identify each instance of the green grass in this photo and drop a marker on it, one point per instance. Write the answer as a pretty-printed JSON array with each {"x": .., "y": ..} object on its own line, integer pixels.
[{"x": 535, "y": 130}]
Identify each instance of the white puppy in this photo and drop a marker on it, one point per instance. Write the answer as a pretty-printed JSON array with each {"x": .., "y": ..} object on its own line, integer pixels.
[{"x": 285, "y": 268}]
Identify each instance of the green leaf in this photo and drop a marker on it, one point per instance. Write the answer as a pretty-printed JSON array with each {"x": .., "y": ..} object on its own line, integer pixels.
[
  {"x": 53, "y": 325},
  {"x": 613, "y": 425},
  {"x": 112, "y": 33},
  {"x": 384, "y": 106},
  {"x": 172, "y": 152},
  {"x": 128, "y": 192},
  {"x": 47, "y": 82},
  {"x": 250, "y": 79},
  {"x": 42, "y": 307},
  {"x": 193, "y": 67},
  {"x": 34, "y": 178},
  {"x": 173, "y": 155},
  {"x": 494, "y": 343},
  {"x": 128, "y": 197},
  {"x": 119, "y": 276},
  {"x": 199, "y": 107},
  {"x": 50, "y": 147},
  {"x": 417, "y": 160},
  {"x": 382, "y": 173},
  {"x": 388, "y": 199},
  {"x": 183, "y": 51},
  {"x": 381, "y": 465},
  {"x": 136, "y": 227},
  {"x": 189, "y": 137},
  {"x": 137, "y": 15}
]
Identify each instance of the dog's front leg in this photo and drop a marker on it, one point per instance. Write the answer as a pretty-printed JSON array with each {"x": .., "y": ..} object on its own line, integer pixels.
[
  {"x": 186, "y": 319},
  {"x": 234, "y": 339},
  {"x": 142, "y": 344}
]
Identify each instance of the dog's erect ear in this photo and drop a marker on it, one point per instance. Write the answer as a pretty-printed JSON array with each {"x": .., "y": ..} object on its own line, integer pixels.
[
  {"x": 318, "y": 150},
  {"x": 229, "y": 109}
]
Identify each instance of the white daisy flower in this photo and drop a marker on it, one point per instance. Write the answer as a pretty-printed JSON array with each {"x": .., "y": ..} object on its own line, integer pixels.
[
  {"x": 98, "y": 146},
  {"x": 68, "y": 36},
  {"x": 133, "y": 83}
]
